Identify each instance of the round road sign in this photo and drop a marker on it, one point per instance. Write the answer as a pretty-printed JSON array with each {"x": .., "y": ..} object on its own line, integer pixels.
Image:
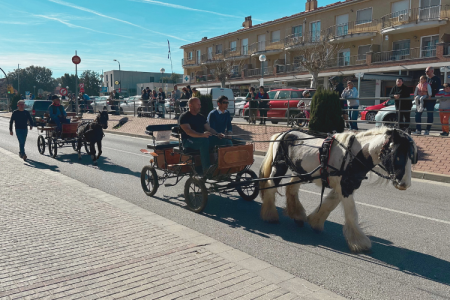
[
  {"x": 76, "y": 59},
  {"x": 63, "y": 91},
  {"x": 116, "y": 82}
]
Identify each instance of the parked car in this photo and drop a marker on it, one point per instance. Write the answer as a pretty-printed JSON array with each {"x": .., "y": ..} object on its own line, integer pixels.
[
  {"x": 130, "y": 105},
  {"x": 37, "y": 108},
  {"x": 369, "y": 112},
  {"x": 168, "y": 106},
  {"x": 278, "y": 105},
  {"x": 216, "y": 93},
  {"x": 239, "y": 103},
  {"x": 101, "y": 103},
  {"x": 388, "y": 114}
]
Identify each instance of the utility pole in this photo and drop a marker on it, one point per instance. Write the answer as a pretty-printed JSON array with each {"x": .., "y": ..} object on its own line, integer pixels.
[{"x": 18, "y": 80}]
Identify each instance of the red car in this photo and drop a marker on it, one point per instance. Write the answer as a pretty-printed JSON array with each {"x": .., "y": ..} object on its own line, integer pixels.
[
  {"x": 279, "y": 103},
  {"x": 369, "y": 112}
]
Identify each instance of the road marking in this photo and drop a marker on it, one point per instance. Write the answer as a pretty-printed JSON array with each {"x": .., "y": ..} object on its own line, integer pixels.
[
  {"x": 391, "y": 210},
  {"x": 126, "y": 152}
]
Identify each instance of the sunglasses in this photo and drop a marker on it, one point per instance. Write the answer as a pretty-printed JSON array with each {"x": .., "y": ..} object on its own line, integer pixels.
[{"x": 224, "y": 102}]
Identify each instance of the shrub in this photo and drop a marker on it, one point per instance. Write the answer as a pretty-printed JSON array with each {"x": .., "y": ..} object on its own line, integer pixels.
[
  {"x": 207, "y": 104},
  {"x": 326, "y": 112}
]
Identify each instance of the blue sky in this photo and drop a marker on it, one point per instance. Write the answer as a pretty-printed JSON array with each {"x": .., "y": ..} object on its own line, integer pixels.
[{"x": 135, "y": 32}]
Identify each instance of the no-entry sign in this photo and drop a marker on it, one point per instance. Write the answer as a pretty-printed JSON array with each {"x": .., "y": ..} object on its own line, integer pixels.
[
  {"x": 81, "y": 85},
  {"x": 76, "y": 59},
  {"x": 63, "y": 91}
]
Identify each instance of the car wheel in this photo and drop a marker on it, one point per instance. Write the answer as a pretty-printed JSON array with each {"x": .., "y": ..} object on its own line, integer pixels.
[
  {"x": 390, "y": 119},
  {"x": 370, "y": 116},
  {"x": 274, "y": 122}
]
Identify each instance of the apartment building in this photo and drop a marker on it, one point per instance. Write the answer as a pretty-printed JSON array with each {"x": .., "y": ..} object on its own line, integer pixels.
[{"x": 381, "y": 39}]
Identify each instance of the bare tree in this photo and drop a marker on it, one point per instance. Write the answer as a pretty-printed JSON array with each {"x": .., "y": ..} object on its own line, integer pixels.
[
  {"x": 224, "y": 69},
  {"x": 317, "y": 53}
]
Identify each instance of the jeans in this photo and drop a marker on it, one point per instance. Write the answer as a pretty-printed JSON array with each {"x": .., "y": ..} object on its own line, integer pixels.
[
  {"x": 161, "y": 109},
  {"x": 201, "y": 144},
  {"x": 22, "y": 137},
  {"x": 429, "y": 106},
  {"x": 262, "y": 115},
  {"x": 215, "y": 141},
  {"x": 353, "y": 116}
]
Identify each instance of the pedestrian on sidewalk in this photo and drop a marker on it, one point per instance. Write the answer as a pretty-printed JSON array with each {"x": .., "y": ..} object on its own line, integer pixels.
[
  {"x": 252, "y": 105},
  {"x": 351, "y": 94},
  {"x": 400, "y": 92},
  {"x": 176, "y": 96},
  {"x": 263, "y": 105},
  {"x": 161, "y": 103},
  {"x": 444, "y": 109},
  {"x": 21, "y": 119},
  {"x": 421, "y": 93}
]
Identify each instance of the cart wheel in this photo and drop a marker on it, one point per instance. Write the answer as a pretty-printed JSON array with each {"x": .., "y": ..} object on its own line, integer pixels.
[
  {"x": 75, "y": 145},
  {"x": 249, "y": 191},
  {"x": 41, "y": 144},
  {"x": 87, "y": 147},
  {"x": 149, "y": 180},
  {"x": 195, "y": 194},
  {"x": 53, "y": 148}
]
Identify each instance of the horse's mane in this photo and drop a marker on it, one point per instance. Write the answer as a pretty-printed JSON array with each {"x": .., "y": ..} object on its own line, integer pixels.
[{"x": 345, "y": 136}]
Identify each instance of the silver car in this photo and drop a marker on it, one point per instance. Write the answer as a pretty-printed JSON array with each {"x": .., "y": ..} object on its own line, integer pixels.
[
  {"x": 101, "y": 103},
  {"x": 130, "y": 105}
]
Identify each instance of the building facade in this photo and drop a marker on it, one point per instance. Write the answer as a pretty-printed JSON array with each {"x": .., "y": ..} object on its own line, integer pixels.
[{"x": 381, "y": 39}]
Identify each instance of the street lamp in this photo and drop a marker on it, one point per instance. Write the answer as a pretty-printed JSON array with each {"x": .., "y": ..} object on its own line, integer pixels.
[
  {"x": 120, "y": 77},
  {"x": 262, "y": 59},
  {"x": 162, "y": 74},
  {"x": 34, "y": 90}
]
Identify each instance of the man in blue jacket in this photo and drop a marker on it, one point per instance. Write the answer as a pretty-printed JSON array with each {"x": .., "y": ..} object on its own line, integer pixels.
[
  {"x": 220, "y": 120},
  {"x": 57, "y": 113}
]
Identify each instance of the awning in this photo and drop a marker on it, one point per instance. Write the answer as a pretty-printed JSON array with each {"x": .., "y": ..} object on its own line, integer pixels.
[{"x": 385, "y": 77}]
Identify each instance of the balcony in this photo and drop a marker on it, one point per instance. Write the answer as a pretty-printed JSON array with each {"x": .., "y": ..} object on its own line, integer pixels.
[
  {"x": 352, "y": 31},
  {"x": 210, "y": 58},
  {"x": 268, "y": 71},
  {"x": 266, "y": 47},
  {"x": 404, "y": 54},
  {"x": 415, "y": 19},
  {"x": 236, "y": 53},
  {"x": 190, "y": 62},
  {"x": 295, "y": 40}
]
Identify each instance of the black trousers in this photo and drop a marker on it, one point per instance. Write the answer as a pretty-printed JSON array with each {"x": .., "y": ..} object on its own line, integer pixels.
[
  {"x": 405, "y": 118},
  {"x": 263, "y": 115}
]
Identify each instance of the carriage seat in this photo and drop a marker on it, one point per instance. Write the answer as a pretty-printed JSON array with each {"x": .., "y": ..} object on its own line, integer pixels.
[{"x": 186, "y": 151}]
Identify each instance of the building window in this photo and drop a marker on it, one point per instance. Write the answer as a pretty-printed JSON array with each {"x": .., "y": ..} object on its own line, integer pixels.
[
  {"x": 429, "y": 10},
  {"x": 233, "y": 46},
  {"x": 199, "y": 54},
  {"x": 344, "y": 58},
  {"x": 315, "y": 31},
  {"x": 428, "y": 46},
  {"x": 111, "y": 80},
  {"x": 362, "y": 50},
  {"x": 219, "y": 49},
  {"x": 190, "y": 55},
  {"x": 400, "y": 49},
  {"x": 399, "y": 8},
  {"x": 364, "y": 16},
  {"x": 275, "y": 36},
  {"x": 235, "y": 71},
  {"x": 297, "y": 31},
  {"x": 210, "y": 52},
  {"x": 244, "y": 46},
  {"x": 262, "y": 42},
  {"x": 152, "y": 79},
  {"x": 342, "y": 25}
]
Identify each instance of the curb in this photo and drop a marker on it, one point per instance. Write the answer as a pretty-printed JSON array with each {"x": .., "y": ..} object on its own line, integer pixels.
[{"x": 298, "y": 286}]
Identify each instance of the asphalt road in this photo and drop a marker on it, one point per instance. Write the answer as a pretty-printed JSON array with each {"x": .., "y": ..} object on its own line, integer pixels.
[{"x": 409, "y": 229}]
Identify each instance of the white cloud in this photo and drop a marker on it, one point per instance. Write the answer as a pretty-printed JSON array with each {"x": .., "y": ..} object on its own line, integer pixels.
[
  {"x": 14, "y": 23},
  {"x": 112, "y": 18}
]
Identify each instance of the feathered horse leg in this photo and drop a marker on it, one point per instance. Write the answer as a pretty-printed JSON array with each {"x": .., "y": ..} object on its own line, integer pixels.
[
  {"x": 317, "y": 218},
  {"x": 356, "y": 239},
  {"x": 294, "y": 209}
]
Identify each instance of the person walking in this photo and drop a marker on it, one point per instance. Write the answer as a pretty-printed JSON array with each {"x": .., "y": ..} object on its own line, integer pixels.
[
  {"x": 444, "y": 109},
  {"x": 21, "y": 118},
  {"x": 263, "y": 105},
  {"x": 350, "y": 93},
  {"x": 252, "y": 105},
  {"x": 400, "y": 93}
]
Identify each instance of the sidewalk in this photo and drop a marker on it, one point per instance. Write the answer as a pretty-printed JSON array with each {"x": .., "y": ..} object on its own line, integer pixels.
[{"x": 64, "y": 239}]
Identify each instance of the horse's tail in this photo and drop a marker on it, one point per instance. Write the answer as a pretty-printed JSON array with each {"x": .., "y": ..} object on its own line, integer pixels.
[{"x": 266, "y": 165}]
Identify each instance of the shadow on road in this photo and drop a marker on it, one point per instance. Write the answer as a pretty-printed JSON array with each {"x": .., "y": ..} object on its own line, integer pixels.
[{"x": 237, "y": 213}]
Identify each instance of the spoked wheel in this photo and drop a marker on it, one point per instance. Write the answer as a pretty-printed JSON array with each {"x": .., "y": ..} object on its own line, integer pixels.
[
  {"x": 75, "y": 145},
  {"x": 41, "y": 144},
  {"x": 149, "y": 180},
  {"x": 87, "y": 146},
  {"x": 195, "y": 194},
  {"x": 53, "y": 148},
  {"x": 249, "y": 189}
]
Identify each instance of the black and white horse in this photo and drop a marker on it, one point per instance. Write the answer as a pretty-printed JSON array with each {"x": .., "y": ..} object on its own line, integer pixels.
[
  {"x": 392, "y": 149},
  {"x": 92, "y": 133}
]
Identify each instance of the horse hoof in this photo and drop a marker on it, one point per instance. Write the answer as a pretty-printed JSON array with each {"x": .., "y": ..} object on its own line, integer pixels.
[
  {"x": 299, "y": 223},
  {"x": 95, "y": 163}
]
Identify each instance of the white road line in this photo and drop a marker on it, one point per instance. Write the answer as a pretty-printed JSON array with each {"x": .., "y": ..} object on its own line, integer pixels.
[{"x": 391, "y": 210}]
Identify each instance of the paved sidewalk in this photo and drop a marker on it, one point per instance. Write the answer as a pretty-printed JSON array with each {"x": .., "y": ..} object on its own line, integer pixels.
[{"x": 64, "y": 239}]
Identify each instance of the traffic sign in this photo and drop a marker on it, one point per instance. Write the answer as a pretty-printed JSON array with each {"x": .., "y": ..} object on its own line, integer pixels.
[
  {"x": 116, "y": 82},
  {"x": 81, "y": 85},
  {"x": 359, "y": 75},
  {"x": 81, "y": 90},
  {"x": 186, "y": 79},
  {"x": 76, "y": 59},
  {"x": 63, "y": 91}
]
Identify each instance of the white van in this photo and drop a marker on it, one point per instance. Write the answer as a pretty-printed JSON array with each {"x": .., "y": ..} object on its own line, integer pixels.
[{"x": 216, "y": 93}]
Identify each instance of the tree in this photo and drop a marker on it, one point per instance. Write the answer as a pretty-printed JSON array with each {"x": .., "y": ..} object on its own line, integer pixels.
[
  {"x": 317, "y": 54},
  {"x": 171, "y": 79},
  {"x": 40, "y": 77},
  {"x": 326, "y": 112},
  {"x": 207, "y": 104},
  {"x": 68, "y": 80},
  {"x": 225, "y": 69},
  {"x": 92, "y": 82}
]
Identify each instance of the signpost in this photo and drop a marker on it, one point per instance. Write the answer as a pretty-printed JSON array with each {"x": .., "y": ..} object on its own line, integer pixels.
[
  {"x": 359, "y": 76},
  {"x": 76, "y": 60},
  {"x": 63, "y": 92}
]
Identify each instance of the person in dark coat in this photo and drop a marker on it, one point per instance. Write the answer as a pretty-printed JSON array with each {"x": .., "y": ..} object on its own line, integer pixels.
[
  {"x": 400, "y": 92},
  {"x": 263, "y": 105}
]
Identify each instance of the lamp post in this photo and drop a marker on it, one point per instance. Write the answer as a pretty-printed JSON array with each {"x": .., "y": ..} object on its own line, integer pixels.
[
  {"x": 34, "y": 87},
  {"x": 162, "y": 74},
  {"x": 120, "y": 77},
  {"x": 262, "y": 59}
]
